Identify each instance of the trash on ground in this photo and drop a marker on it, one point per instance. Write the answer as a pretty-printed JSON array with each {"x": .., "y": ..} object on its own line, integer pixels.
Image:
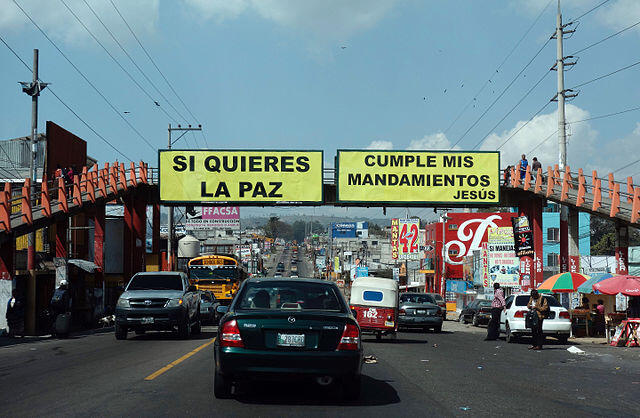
[
  {"x": 424, "y": 360},
  {"x": 617, "y": 368},
  {"x": 435, "y": 345},
  {"x": 582, "y": 398},
  {"x": 575, "y": 350},
  {"x": 370, "y": 359},
  {"x": 480, "y": 367},
  {"x": 465, "y": 408}
]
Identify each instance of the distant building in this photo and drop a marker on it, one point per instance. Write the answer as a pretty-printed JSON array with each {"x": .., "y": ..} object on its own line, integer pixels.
[{"x": 551, "y": 237}]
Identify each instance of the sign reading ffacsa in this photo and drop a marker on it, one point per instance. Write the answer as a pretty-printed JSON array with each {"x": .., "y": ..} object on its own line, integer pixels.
[
  {"x": 263, "y": 176},
  {"x": 418, "y": 177}
]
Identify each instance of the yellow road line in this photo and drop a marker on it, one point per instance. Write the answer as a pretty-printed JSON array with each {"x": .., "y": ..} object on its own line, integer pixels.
[{"x": 178, "y": 361}]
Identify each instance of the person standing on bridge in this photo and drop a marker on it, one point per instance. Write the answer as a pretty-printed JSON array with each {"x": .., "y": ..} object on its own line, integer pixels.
[
  {"x": 497, "y": 306},
  {"x": 523, "y": 166}
]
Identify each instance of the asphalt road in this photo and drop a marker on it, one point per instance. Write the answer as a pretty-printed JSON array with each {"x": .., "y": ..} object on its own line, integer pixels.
[{"x": 452, "y": 373}]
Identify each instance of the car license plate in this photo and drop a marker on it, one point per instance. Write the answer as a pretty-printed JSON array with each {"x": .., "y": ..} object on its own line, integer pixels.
[
  {"x": 290, "y": 340},
  {"x": 147, "y": 320},
  {"x": 421, "y": 311}
]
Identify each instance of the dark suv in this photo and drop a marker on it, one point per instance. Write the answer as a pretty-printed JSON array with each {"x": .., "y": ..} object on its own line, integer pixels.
[{"x": 162, "y": 301}]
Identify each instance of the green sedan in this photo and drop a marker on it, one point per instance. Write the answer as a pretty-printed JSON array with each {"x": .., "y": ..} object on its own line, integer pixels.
[{"x": 288, "y": 329}]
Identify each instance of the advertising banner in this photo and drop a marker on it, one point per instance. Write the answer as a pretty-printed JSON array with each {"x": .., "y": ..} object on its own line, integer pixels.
[
  {"x": 394, "y": 177},
  {"x": 484, "y": 256},
  {"x": 229, "y": 176},
  {"x": 396, "y": 274},
  {"x": 336, "y": 265},
  {"x": 522, "y": 236},
  {"x": 343, "y": 230},
  {"x": 406, "y": 246},
  {"x": 503, "y": 265},
  {"x": 212, "y": 217}
]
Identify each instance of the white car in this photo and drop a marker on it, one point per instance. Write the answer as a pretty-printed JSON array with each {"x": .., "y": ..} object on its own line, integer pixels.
[{"x": 557, "y": 324}]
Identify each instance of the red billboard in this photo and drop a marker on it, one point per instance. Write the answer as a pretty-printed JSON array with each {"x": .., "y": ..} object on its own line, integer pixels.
[{"x": 465, "y": 233}]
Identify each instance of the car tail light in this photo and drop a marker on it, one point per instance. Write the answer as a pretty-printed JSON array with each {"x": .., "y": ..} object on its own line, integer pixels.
[
  {"x": 564, "y": 315},
  {"x": 230, "y": 335},
  {"x": 520, "y": 314},
  {"x": 402, "y": 312},
  {"x": 389, "y": 317},
  {"x": 350, "y": 339}
]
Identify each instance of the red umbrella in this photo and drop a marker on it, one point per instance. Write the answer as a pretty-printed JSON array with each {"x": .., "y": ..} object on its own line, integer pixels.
[{"x": 627, "y": 285}]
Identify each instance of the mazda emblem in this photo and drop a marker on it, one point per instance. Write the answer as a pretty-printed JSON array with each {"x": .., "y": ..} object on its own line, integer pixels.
[{"x": 292, "y": 320}]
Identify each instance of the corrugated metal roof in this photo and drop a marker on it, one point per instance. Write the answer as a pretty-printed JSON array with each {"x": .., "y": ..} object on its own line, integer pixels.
[{"x": 15, "y": 157}]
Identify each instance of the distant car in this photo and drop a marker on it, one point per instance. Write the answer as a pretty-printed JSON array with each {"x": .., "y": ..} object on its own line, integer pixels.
[
  {"x": 557, "y": 324},
  {"x": 208, "y": 307},
  {"x": 277, "y": 275},
  {"x": 419, "y": 310},
  {"x": 288, "y": 329},
  {"x": 294, "y": 276},
  {"x": 441, "y": 303},
  {"x": 477, "y": 312}
]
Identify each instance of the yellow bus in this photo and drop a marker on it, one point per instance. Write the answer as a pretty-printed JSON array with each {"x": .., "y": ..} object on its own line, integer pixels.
[{"x": 219, "y": 274}]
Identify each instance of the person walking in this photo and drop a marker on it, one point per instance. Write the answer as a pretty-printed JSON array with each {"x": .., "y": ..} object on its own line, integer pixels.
[
  {"x": 497, "y": 306},
  {"x": 540, "y": 306},
  {"x": 523, "y": 166},
  {"x": 15, "y": 315}
]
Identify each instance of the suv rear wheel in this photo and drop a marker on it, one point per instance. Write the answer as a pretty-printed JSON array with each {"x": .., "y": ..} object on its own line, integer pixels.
[
  {"x": 121, "y": 332},
  {"x": 510, "y": 337},
  {"x": 184, "y": 329}
]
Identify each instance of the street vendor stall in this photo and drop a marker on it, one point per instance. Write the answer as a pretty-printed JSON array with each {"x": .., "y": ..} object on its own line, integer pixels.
[{"x": 627, "y": 332}]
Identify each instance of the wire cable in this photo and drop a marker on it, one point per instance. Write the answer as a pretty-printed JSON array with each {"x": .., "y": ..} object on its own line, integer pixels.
[
  {"x": 543, "y": 141},
  {"x": 84, "y": 77},
  {"x": 605, "y": 39},
  {"x": 489, "y": 80},
  {"x": 153, "y": 101},
  {"x": 134, "y": 62},
  {"x": 65, "y": 105},
  {"x": 512, "y": 109},
  {"x": 501, "y": 94},
  {"x": 590, "y": 10},
  {"x": 154, "y": 64},
  {"x": 607, "y": 115},
  {"x": 606, "y": 75}
]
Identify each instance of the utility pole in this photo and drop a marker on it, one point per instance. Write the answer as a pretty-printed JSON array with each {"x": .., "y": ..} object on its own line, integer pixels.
[
  {"x": 561, "y": 95},
  {"x": 170, "y": 225},
  {"x": 33, "y": 89}
]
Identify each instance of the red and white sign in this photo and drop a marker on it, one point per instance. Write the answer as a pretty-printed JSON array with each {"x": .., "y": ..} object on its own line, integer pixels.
[
  {"x": 466, "y": 233},
  {"x": 407, "y": 244},
  {"x": 213, "y": 217}
]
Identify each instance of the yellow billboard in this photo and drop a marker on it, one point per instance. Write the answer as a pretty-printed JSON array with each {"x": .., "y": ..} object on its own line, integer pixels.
[
  {"x": 396, "y": 177},
  {"x": 230, "y": 176}
]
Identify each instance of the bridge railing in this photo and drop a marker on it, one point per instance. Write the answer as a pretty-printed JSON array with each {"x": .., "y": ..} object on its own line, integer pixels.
[
  {"x": 621, "y": 198},
  {"x": 18, "y": 206}
]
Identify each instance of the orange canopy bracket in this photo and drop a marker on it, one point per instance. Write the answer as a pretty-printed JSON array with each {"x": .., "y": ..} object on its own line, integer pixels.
[
  {"x": 5, "y": 208},
  {"x": 615, "y": 201},
  {"x": 582, "y": 189},
  {"x": 77, "y": 194},
  {"x": 63, "y": 203},
  {"x": 45, "y": 201},
  {"x": 597, "y": 195}
]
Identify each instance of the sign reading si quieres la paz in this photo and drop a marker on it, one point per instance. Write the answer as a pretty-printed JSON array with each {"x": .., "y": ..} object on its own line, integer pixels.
[
  {"x": 418, "y": 177},
  {"x": 231, "y": 176}
]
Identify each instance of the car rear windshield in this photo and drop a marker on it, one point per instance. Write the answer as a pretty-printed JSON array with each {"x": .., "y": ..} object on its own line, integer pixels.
[
  {"x": 289, "y": 295},
  {"x": 155, "y": 282},
  {"x": 486, "y": 303},
  {"x": 416, "y": 299},
  {"x": 438, "y": 297},
  {"x": 523, "y": 300}
]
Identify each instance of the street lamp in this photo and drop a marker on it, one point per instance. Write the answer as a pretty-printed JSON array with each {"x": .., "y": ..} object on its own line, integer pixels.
[{"x": 443, "y": 218}]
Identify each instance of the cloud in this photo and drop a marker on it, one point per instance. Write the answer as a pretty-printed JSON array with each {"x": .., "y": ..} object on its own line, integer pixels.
[
  {"x": 380, "y": 145},
  {"x": 60, "y": 24},
  {"x": 437, "y": 141},
  {"x": 620, "y": 14},
  {"x": 539, "y": 138},
  {"x": 611, "y": 161},
  {"x": 326, "y": 19}
]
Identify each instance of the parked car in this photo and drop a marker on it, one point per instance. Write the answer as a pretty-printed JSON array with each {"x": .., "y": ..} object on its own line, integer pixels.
[
  {"x": 477, "y": 312},
  {"x": 208, "y": 305},
  {"x": 419, "y": 310},
  {"x": 441, "y": 303},
  {"x": 161, "y": 300},
  {"x": 557, "y": 324},
  {"x": 287, "y": 329}
]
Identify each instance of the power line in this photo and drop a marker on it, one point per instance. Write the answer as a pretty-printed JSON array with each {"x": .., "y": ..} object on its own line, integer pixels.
[
  {"x": 486, "y": 83},
  {"x": 501, "y": 94},
  {"x": 134, "y": 62},
  {"x": 606, "y": 75},
  {"x": 153, "y": 101},
  {"x": 605, "y": 39},
  {"x": 543, "y": 141},
  {"x": 84, "y": 76},
  {"x": 525, "y": 124},
  {"x": 512, "y": 109},
  {"x": 154, "y": 64},
  {"x": 590, "y": 10},
  {"x": 65, "y": 105},
  {"x": 607, "y": 115}
]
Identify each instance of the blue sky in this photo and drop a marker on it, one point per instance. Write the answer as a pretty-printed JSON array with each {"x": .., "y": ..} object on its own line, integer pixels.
[{"x": 329, "y": 74}]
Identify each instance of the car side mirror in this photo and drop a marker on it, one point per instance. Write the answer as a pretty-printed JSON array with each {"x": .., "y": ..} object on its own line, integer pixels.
[
  {"x": 192, "y": 288},
  {"x": 221, "y": 309},
  {"x": 354, "y": 313}
]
